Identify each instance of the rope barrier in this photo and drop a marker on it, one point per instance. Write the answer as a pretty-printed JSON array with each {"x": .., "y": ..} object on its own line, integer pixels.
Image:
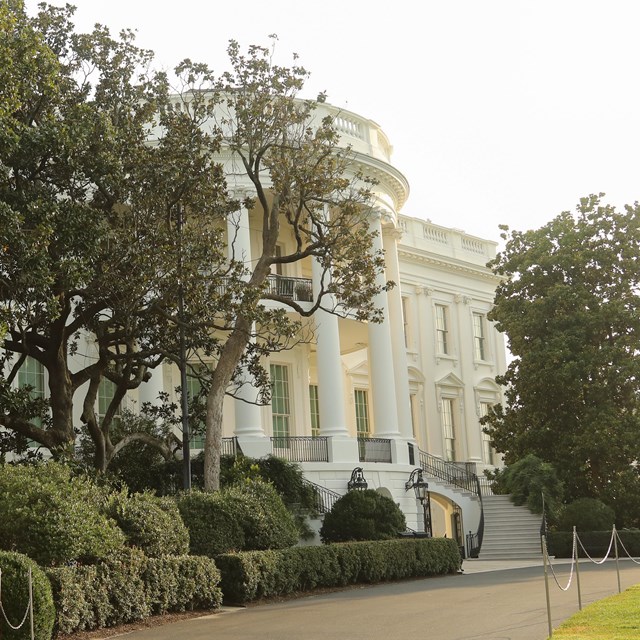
[
  {"x": 573, "y": 564},
  {"x": 26, "y": 613},
  {"x": 613, "y": 535},
  {"x": 625, "y": 550}
]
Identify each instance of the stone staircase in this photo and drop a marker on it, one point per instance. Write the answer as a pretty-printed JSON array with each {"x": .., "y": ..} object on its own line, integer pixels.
[{"x": 510, "y": 532}]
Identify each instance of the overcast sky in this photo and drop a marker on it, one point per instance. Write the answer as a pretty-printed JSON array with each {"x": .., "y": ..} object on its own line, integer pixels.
[{"x": 499, "y": 111}]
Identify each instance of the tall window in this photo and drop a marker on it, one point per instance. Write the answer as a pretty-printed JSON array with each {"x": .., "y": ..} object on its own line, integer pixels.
[
  {"x": 280, "y": 403},
  {"x": 193, "y": 389},
  {"x": 487, "y": 444},
  {"x": 314, "y": 408},
  {"x": 479, "y": 337},
  {"x": 449, "y": 429},
  {"x": 442, "y": 329},
  {"x": 363, "y": 428},
  {"x": 31, "y": 374},
  {"x": 106, "y": 393}
]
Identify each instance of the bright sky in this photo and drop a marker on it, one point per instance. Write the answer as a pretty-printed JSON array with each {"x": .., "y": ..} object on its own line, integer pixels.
[{"x": 499, "y": 111}]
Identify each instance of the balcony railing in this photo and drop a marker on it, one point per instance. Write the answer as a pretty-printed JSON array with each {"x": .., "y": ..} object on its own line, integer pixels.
[
  {"x": 374, "y": 449},
  {"x": 301, "y": 448},
  {"x": 298, "y": 289}
]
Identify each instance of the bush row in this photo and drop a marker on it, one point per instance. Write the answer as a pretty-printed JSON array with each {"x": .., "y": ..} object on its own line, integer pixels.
[
  {"x": 253, "y": 575},
  {"x": 596, "y": 543},
  {"x": 129, "y": 586}
]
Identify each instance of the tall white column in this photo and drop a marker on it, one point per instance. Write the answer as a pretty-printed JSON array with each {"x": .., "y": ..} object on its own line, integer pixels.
[
  {"x": 248, "y": 422},
  {"x": 381, "y": 371},
  {"x": 389, "y": 241},
  {"x": 333, "y": 421}
]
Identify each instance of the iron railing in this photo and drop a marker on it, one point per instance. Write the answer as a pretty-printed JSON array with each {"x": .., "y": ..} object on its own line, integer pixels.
[
  {"x": 301, "y": 448},
  {"x": 474, "y": 540},
  {"x": 374, "y": 450},
  {"x": 324, "y": 498},
  {"x": 298, "y": 289},
  {"x": 460, "y": 474}
]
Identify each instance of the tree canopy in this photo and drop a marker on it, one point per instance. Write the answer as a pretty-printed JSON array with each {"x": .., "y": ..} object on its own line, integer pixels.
[
  {"x": 118, "y": 196},
  {"x": 569, "y": 304}
]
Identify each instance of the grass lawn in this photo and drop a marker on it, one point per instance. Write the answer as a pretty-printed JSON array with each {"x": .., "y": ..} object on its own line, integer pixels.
[{"x": 614, "y": 618}]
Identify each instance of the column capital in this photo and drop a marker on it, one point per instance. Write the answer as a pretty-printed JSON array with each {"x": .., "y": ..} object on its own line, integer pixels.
[{"x": 425, "y": 291}]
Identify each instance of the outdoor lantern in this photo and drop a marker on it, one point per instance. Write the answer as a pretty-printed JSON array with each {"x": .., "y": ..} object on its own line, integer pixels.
[
  {"x": 421, "y": 489},
  {"x": 357, "y": 481}
]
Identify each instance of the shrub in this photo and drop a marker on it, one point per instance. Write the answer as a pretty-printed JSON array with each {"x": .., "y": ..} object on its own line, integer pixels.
[
  {"x": 150, "y": 523},
  {"x": 182, "y": 583},
  {"x": 266, "y": 522},
  {"x": 130, "y": 587},
  {"x": 595, "y": 543},
  {"x": 252, "y": 575},
  {"x": 527, "y": 480},
  {"x": 212, "y": 523},
  {"x": 15, "y": 597},
  {"x": 363, "y": 515},
  {"x": 54, "y": 517},
  {"x": 586, "y": 514}
]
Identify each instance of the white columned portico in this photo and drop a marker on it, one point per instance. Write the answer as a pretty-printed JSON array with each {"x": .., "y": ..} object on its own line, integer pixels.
[
  {"x": 381, "y": 370},
  {"x": 248, "y": 422},
  {"x": 398, "y": 345}
]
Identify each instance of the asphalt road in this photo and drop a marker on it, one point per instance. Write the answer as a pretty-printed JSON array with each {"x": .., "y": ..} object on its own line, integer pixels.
[{"x": 494, "y": 605}]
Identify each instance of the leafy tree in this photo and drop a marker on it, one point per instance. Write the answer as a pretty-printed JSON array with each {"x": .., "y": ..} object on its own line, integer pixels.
[
  {"x": 89, "y": 214},
  {"x": 569, "y": 303},
  {"x": 304, "y": 188}
]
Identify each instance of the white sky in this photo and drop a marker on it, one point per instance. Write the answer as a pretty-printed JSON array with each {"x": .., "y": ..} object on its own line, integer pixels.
[{"x": 499, "y": 111}]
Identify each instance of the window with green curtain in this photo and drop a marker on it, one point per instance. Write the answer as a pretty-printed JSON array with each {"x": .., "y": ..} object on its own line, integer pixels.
[
  {"x": 31, "y": 374},
  {"x": 363, "y": 428},
  {"x": 314, "y": 409},
  {"x": 106, "y": 393},
  {"x": 280, "y": 402}
]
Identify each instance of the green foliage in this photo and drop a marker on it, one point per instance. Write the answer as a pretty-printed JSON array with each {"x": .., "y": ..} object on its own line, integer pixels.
[
  {"x": 569, "y": 303},
  {"x": 266, "y": 522},
  {"x": 15, "y": 569},
  {"x": 242, "y": 517},
  {"x": 527, "y": 480},
  {"x": 253, "y": 575},
  {"x": 586, "y": 514},
  {"x": 149, "y": 523},
  {"x": 131, "y": 587},
  {"x": 53, "y": 516},
  {"x": 212, "y": 523},
  {"x": 363, "y": 515}
]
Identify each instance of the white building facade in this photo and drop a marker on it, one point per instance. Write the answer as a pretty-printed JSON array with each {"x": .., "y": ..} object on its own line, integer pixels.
[{"x": 383, "y": 398}]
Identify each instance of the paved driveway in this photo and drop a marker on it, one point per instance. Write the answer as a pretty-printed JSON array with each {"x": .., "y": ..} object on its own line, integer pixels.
[{"x": 493, "y": 605}]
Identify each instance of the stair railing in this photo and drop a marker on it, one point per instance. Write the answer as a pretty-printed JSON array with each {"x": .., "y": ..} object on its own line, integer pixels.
[{"x": 324, "y": 498}]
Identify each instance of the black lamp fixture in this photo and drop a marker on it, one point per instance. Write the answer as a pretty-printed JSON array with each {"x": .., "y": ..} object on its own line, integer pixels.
[
  {"x": 357, "y": 482},
  {"x": 421, "y": 489}
]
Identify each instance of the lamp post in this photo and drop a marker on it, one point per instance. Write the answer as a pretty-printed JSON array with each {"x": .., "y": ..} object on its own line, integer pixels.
[
  {"x": 421, "y": 490},
  {"x": 357, "y": 481}
]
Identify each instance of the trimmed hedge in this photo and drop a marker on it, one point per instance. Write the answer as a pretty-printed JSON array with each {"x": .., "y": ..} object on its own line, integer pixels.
[
  {"x": 586, "y": 514},
  {"x": 131, "y": 587},
  {"x": 560, "y": 543},
  {"x": 15, "y": 597},
  {"x": 253, "y": 575},
  {"x": 150, "y": 523}
]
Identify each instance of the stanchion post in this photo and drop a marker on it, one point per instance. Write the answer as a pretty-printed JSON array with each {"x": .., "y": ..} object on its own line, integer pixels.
[
  {"x": 615, "y": 546},
  {"x": 546, "y": 583},
  {"x": 576, "y": 556},
  {"x": 31, "y": 603}
]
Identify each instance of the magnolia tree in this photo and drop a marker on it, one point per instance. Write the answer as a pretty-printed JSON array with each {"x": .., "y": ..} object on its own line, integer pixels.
[
  {"x": 303, "y": 187},
  {"x": 90, "y": 259},
  {"x": 115, "y": 214}
]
